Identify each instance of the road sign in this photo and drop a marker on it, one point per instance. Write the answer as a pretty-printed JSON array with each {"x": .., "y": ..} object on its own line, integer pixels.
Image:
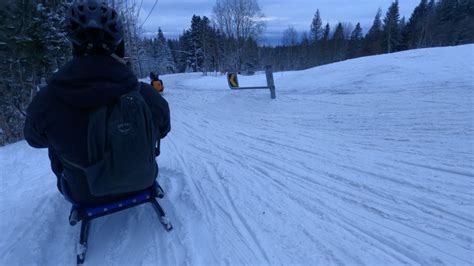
[{"x": 232, "y": 80}]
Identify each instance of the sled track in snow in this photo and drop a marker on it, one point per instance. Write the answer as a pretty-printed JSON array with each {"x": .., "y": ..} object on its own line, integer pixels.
[
  {"x": 338, "y": 180},
  {"x": 350, "y": 165}
]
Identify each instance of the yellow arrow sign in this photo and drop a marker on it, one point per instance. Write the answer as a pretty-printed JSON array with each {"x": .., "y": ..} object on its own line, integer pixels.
[{"x": 232, "y": 79}]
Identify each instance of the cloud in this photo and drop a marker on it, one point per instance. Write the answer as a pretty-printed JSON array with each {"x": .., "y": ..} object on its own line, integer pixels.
[{"x": 267, "y": 19}]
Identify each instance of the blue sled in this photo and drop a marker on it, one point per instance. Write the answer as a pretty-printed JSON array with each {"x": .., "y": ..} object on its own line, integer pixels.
[{"x": 87, "y": 214}]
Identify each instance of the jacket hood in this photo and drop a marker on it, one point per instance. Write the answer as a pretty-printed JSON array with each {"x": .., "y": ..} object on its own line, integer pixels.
[{"x": 92, "y": 81}]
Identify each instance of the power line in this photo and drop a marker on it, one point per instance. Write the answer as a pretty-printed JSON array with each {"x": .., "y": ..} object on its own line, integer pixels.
[
  {"x": 141, "y": 3},
  {"x": 156, "y": 1}
]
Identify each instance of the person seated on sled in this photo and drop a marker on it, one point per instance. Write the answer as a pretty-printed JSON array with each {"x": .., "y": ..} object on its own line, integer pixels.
[
  {"x": 156, "y": 82},
  {"x": 65, "y": 116}
]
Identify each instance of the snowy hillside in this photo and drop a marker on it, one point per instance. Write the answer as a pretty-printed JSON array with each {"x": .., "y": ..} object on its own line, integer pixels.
[{"x": 363, "y": 162}]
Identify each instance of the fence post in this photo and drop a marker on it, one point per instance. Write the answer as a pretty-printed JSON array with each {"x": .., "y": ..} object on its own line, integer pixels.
[{"x": 270, "y": 81}]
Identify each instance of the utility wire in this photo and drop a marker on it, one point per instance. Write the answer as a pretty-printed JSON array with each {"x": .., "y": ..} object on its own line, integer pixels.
[
  {"x": 141, "y": 3},
  {"x": 156, "y": 1}
]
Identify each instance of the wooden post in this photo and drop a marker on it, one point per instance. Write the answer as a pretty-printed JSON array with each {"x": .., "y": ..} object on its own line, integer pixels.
[{"x": 270, "y": 81}]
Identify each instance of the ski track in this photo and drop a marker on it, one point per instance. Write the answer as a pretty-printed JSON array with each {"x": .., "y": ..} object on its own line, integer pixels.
[{"x": 351, "y": 165}]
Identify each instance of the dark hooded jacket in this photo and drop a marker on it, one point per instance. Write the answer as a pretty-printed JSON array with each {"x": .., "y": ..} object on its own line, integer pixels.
[{"x": 57, "y": 118}]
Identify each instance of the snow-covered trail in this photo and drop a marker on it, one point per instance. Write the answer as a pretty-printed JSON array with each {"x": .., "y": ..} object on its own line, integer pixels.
[{"x": 369, "y": 161}]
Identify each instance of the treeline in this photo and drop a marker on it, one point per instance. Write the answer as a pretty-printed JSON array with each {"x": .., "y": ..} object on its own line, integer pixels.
[
  {"x": 432, "y": 23},
  {"x": 228, "y": 42},
  {"x": 201, "y": 48},
  {"x": 205, "y": 47},
  {"x": 32, "y": 45}
]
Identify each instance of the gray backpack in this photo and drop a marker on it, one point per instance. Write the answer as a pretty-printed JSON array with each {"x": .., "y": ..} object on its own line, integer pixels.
[{"x": 121, "y": 147}]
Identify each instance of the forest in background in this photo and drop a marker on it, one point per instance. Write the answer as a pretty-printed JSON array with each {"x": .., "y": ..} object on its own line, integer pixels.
[
  {"x": 33, "y": 43},
  {"x": 208, "y": 47}
]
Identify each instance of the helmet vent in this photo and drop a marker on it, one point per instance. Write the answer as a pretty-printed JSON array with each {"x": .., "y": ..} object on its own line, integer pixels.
[
  {"x": 113, "y": 14},
  {"x": 92, "y": 7},
  {"x": 81, "y": 8}
]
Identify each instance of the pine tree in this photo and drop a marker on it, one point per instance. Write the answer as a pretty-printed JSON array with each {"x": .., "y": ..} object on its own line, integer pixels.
[
  {"x": 208, "y": 40},
  {"x": 338, "y": 33},
  {"x": 464, "y": 21},
  {"x": 453, "y": 22},
  {"x": 339, "y": 45},
  {"x": 321, "y": 54},
  {"x": 414, "y": 31},
  {"x": 355, "y": 42},
  {"x": 327, "y": 31},
  {"x": 391, "y": 28},
  {"x": 374, "y": 38},
  {"x": 218, "y": 51},
  {"x": 305, "y": 51},
  {"x": 186, "y": 51},
  {"x": 164, "y": 57},
  {"x": 195, "y": 51},
  {"x": 316, "y": 29}
]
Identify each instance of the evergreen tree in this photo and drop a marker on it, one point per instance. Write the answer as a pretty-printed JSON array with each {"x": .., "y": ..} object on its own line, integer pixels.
[
  {"x": 316, "y": 29},
  {"x": 173, "y": 44},
  {"x": 464, "y": 21},
  {"x": 428, "y": 28},
  {"x": 338, "y": 33},
  {"x": 218, "y": 51},
  {"x": 185, "y": 59},
  {"x": 415, "y": 30},
  {"x": 391, "y": 28},
  {"x": 374, "y": 38},
  {"x": 321, "y": 54},
  {"x": 453, "y": 22},
  {"x": 305, "y": 53},
  {"x": 339, "y": 45},
  {"x": 355, "y": 42},
  {"x": 164, "y": 56},
  {"x": 327, "y": 31},
  {"x": 195, "y": 49},
  {"x": 207, "y": 36}
]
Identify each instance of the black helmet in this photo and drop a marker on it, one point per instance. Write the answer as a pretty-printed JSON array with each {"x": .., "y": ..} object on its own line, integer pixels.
[{"x": 93, "y": 27}]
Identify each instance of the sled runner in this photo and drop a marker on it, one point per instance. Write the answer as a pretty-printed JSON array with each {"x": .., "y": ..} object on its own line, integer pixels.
[{"x": 89, "y": 213}]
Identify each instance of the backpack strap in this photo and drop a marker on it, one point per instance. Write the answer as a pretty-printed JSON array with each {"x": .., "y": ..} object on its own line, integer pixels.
[{"x": 138, "y": 87}]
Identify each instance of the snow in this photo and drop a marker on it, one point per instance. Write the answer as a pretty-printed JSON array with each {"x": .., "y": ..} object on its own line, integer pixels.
[{"x": 368, "y": 161}]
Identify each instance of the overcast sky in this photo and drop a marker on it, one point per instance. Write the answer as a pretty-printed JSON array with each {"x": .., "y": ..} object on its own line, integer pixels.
[{"x": 175, "y": 15}]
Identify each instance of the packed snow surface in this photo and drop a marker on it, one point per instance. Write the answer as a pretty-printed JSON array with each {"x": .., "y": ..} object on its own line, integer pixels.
[{"x": 363, "y": 162}]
